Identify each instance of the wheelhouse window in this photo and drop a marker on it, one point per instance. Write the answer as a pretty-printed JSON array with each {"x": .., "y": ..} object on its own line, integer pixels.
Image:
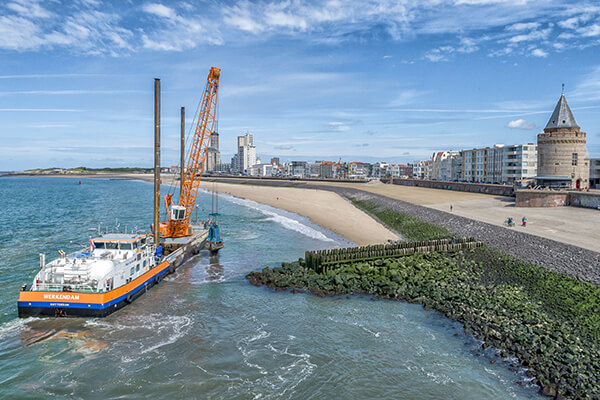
[
  {"x": 99, "y": 245},
  {"x": 112, "y": 245},
  {"x": 125, "y": 246}
]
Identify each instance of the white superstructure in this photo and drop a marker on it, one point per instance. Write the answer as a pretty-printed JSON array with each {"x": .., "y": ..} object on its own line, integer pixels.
[{"x": 112, "y": 260}]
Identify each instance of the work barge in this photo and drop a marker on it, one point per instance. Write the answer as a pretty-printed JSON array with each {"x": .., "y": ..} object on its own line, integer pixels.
[{"x": 119, "y": 267}]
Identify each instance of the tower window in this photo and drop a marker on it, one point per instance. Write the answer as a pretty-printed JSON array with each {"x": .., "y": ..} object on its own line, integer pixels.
[{"x": 574, "y": 159}]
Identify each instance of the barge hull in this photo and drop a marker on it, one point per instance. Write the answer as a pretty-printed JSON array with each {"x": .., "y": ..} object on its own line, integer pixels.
[{"x": 75, "y": 304}]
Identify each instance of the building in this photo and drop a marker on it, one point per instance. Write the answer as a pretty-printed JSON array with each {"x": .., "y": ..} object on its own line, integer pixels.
[
  {"x": 312, "y": 169},
  {"x": 595, "y": 173},
  {"x": 295, "y": 169},
  {"x": 421, "y": 169},
  {"x": 246, "y": 155},
  {"x": 442, "y": 165},
  {"x": 498, "y": 164},
  {"x": 562, "y": 151},
  {"x": 275, "y": 161},
  {"x": 519, "y": 163},
  {"x": 213, "y": 155},
  {"x": 261, "y": 170},
  {"x": 379, "y": 170},
  {"x": 327, "y": 169},
  {"x": 400, "y": 171},
  {"x": 358, "y": 170},
  {"x": 482, "y": 165}
]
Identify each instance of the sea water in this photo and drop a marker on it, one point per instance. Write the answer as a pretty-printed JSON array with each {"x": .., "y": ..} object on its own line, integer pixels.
[{"x": 205, "y": 332}]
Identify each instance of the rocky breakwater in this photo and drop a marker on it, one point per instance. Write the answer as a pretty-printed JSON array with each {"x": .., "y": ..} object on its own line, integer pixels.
[{"x": 549, "y": 321}]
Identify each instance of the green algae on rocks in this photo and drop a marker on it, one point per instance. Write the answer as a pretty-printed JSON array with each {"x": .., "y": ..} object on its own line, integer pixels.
[{"x": 549, "y": 321}]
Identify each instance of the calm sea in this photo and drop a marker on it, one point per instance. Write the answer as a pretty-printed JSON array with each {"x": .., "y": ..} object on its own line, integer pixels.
[{"x": 205, "y": 332}]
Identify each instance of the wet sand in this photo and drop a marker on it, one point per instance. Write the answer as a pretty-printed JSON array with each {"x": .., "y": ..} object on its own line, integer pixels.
[{"x": 324, "y": 208}]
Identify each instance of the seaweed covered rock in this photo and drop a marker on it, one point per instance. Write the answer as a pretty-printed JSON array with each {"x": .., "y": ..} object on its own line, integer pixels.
[{"x": 547, "y": 320}]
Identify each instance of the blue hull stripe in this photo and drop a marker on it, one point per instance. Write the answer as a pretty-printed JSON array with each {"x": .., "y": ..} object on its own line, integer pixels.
[{"x": 97, "y": 306}]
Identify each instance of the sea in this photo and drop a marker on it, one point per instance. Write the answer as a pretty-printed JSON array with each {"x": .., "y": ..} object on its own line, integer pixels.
[{"x": 205, "y": 332}]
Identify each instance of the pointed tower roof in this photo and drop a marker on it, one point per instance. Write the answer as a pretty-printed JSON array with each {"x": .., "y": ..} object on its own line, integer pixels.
[{"x": 562, "y": 117}]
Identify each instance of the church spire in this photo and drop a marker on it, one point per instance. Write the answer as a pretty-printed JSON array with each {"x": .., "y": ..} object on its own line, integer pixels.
[{"x": 562, "y": 117}]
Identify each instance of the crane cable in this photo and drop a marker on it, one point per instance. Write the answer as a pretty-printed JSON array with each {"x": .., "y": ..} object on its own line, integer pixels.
[{"x": 186, "y": 143}]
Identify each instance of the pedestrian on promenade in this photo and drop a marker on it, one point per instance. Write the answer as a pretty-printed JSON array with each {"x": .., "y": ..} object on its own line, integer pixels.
[
  {"x": 524, "y": 220},
  {"x": 450, "y": 207}
]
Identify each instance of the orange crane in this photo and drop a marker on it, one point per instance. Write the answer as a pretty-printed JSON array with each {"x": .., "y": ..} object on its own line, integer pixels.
[{"x": 179, "y": 215}]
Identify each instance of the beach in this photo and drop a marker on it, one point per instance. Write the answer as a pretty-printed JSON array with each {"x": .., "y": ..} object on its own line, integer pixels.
[
  {"x": 324, "y": 208},
  {"x": 562, "y": 224}
]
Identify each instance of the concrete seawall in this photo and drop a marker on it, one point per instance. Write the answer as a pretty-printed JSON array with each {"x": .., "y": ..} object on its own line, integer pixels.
[
  {"x": 487, "y": 188},
  {"x": 537, "y": 198}
]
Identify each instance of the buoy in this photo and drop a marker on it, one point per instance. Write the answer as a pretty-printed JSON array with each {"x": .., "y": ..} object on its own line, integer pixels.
[{"x": 80, "y": 182}]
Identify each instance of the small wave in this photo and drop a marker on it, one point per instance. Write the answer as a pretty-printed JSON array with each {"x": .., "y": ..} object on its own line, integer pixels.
[
  {"x": 14, "y": 326},
  {"x": 286, "y": 222}
]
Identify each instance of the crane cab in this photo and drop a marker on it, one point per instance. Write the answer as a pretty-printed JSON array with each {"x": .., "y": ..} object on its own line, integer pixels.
[{"x": 177, "y": 213}]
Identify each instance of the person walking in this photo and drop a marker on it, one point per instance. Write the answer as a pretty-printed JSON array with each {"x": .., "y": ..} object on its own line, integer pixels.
[
  {"x": 524, "y": 220},
  {"x": 450, "y": 207}
]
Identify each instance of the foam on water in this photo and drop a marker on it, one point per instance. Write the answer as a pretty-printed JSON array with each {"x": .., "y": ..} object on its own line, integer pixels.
[
  {"x": 277, "y": 216},
  {"x": 206, "y": 330}
]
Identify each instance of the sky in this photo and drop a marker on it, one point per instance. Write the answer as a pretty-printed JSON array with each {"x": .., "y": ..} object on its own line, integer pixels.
[{"x": 370, "y": 80}]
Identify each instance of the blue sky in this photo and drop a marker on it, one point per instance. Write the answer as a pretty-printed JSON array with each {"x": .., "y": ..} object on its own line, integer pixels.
[{"x": 368, "y": 80}]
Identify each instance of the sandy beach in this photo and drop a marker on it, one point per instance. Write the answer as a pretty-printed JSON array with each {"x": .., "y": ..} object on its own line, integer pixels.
[
  {"x": 324, "y": 208},
  {"x": 563, "y": 224}
]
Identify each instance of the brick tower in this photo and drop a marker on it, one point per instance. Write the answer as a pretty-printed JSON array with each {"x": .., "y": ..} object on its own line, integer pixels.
[{"x": 562, "y": 153}]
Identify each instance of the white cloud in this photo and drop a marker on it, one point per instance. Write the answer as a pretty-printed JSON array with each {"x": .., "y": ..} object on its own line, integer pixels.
[
  {"x": 588, "y": 89},
  {"x": 89, "y": 31},
  {"x": 405, "y": 97},
  {"x": 521, "y": 124},
  {"x": 177, "y": 32},
  {"x": 338, "y": 126},
  {"x": 160, "y": 10},
  {"x": 102, "y": 27},
  {"x": 539, "y": 53},
  {"x": 521, "y": 26},
  {"x": 467, "y": 45},
  {"x": 29, "y": 9},
  {"x": 569, "y": 23},
  {"x": 590, "y": 30},
  {"x": 533, "y": 35}
]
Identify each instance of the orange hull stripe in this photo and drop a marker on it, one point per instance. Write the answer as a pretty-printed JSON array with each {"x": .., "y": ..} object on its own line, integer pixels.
[{"x": 96, "y": 298}]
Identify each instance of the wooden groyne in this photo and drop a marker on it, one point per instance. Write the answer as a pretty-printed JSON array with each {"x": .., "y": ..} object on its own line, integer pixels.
[{"x": 323, "y": 260}]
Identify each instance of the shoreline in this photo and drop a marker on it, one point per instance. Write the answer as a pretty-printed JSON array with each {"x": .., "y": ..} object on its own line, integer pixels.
[
  {"x": 323, "y": 208},
  {"x": 545, "y": 319},
  {"x": 326, "y": 209}
]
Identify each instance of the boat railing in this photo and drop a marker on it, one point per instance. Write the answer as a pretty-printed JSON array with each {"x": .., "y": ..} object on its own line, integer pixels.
[{"x": 59, "y": 287}]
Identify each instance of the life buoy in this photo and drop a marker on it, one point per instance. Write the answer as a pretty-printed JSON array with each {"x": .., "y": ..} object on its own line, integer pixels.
[{"x": 129, "y": 298}]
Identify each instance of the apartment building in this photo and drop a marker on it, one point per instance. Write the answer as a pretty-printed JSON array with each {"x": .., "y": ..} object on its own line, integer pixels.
[
  {"x": 519, "y": 162},
  {"x": 379, "y": 170},
  {"x": 482, "y": 165},
  {"x": 443, "y": 163},
  {"x": 421, "y": 169},
  {"x": 246, "y": 155},
  {"x": 358, "y": 170},
  {"x": 595, "y": 173}
]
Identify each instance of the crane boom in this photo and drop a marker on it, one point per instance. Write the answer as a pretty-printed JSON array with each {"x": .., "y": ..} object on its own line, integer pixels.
[{"x": 179, "y": 216}]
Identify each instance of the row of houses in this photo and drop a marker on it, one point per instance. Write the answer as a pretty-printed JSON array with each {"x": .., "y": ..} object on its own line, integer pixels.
[
  {"x": 496, "y": 164},
  {"x": 331, "y": 170}
]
